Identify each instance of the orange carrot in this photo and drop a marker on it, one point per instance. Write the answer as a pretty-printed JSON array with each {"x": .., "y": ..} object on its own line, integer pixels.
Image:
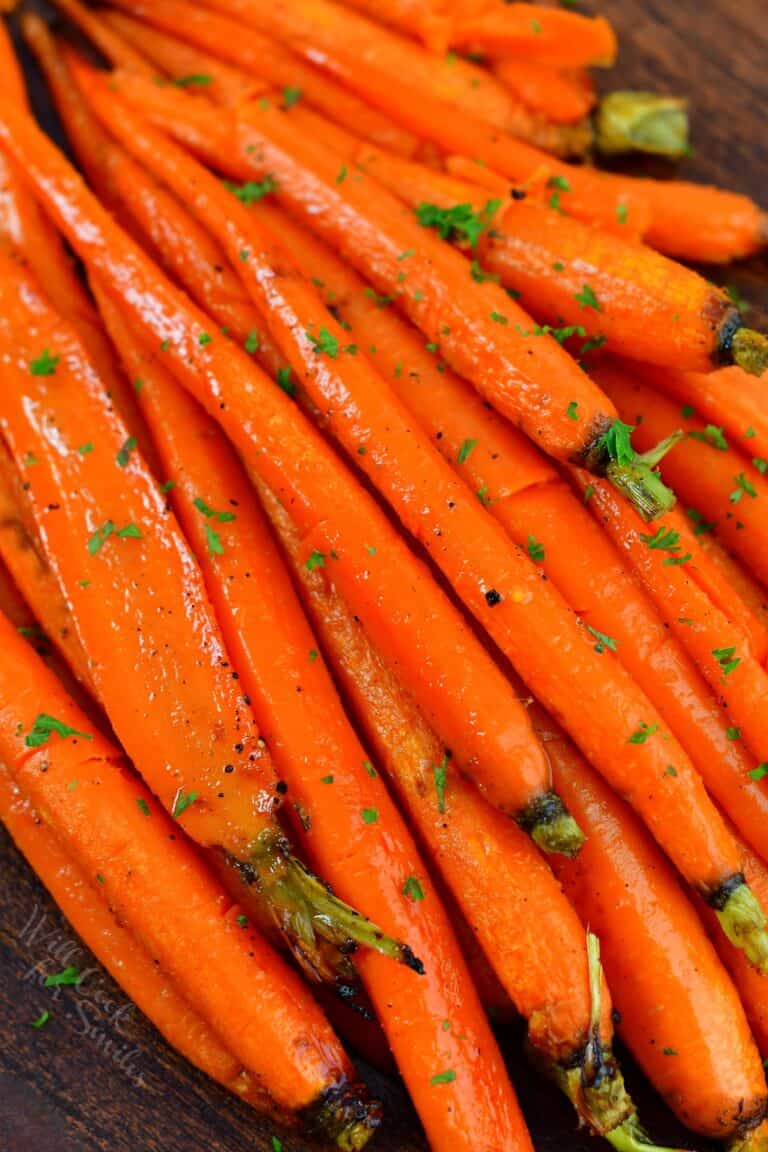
[
  {"x": 428, "y": 20},
  {"x": 720, "y": 650},
  {"x": 114, "y": 545},
  {"x": 99, "y": 33},
  {"x": 521, "y": 613},
  {"x": 265, "y": 59},
  {"x": 122, "y": 840},
  {"x": 545, "y": 88},
  {"x": 615, "y": 292},
  {"x": 546, "y": 972},
  {"x": 345, "y": 821},
  {"x": 726, "y": 488},
  {"x": 114, "y": 946},
  {"x": 530, "y": 500},
  {"x": 679, "y": 1013},
  {"x": 297, "y": 465},
  {"x": 751, "y": 595},
  {"x": 562, "y": 39}
]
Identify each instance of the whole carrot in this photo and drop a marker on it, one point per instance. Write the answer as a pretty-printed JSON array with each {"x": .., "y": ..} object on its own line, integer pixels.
[
  {"x": 299, "y": 467},
  {"x": 481, "y": 332},
  {"x": 551, "y": 973},
  {"x": 620, "y": 294},
  {"x": 343, "y": 817},
  {"x": 113, "y": 546},
  {"x": 538, "y": 511},
  {"x": 124, "y": 843},
  {"x": 115, "y": 946},
  {"x": 679, "y": 1013},
  {"x": 728, "y": 489},
  {"x": 522, "y": 613}
]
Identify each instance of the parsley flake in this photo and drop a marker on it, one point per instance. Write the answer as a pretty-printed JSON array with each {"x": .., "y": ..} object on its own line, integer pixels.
[
  {"x": 45, "y": 726},
  {"x": 44, "y": 365}
]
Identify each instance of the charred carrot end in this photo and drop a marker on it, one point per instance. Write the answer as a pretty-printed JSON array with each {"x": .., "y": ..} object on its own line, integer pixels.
[
  {"x": 642, "y": 122},
  {"x": 755, "y": 1140},
  {"x": 308, "y": 915},
  {"x": 550, "y": 825},
  {"x": 344, "y": 1116},
  {"x": 748, "y": 349},
  {"x": 742, "y": 919},
  {"x": 612, "y": 455}
]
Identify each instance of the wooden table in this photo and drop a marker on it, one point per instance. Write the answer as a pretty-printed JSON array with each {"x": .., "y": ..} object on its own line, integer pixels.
[{"x": 97, "y": 1077}]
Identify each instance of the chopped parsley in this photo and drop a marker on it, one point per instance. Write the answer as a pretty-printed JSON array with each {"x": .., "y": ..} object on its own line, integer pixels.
[
  {"x": 413, "y": 889},
  {"x": 460, "y": 222},
  {"x": 663, "y": 539},
  {"x": 535, "y": 550},
  {"x": 572, "y": 411},
  {"x": 759, "y": 773},
  {"x": 711, "y": 435},
  {"x": 143, "y": 806},
  {"x": 617, "y": 442},
  {"x": 441, "y": 780},
  {"x": 326, "y": 343},
  {"x": 479, "y": 275},
  {"x": 603, "y": 641},
  {"x": 45, "y": 726},
  {"x": 465, "y": 451},
  {"x": 194, "y": 80},
  {"x": 370, "y": 815},
  {"x": 742, "y": 485},
  {"x": 284, "y": 381},
  {"x": 42, "y": 1019},
  {"x": 252, "y": 190},
  {"x": 67, "y": 978},
  {"x": 182, "y": 802},
  {"x": 642, "y": 733},
  {"x": 124, "y": 455},
  {"x": 291, "y": 96},
  {"x": 727, "y": 659},
  {"x": 251, "y": 344},
  {"x": 45, "y": 364},
  {"x": 446, "y": 1077},
  {"x": 315, "y": 560},
  {"x": 587, "y": 299}
]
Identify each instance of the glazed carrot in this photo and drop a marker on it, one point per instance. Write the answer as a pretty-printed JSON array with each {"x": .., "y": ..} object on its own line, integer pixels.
[
  {"x": 727, "y": 488},
  {"x": 641, "y": 303},
  {"x": 346, "y": 823},
  {"x": 519, "y": 612},
  {"x": 537, "y": 510},
  {"x": 546, "y": 972},
  {"x": 299, "y": 467},
  {"x": 188, "y": 66},
  {"x": 552, "y": 36},
  {"x": 750, "y": 594},
  {"x": 115, "y": 947},
  {"x": 428, "y": 20},
  {"x": 545, "y": 88},
  {"x": 276, "y": 1032},
  {"x": 679, "y": 1013},
  {"x": 480, "y": 331},
  {"x": 721, "y": 651},
  {"x": 729, "y": 398},
  {"x": 113, "y": 546},
  {"x": 265, "y": 59},
  {"x": 98, "y": 32}
]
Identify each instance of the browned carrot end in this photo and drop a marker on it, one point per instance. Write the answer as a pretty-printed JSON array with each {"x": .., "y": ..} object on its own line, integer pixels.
[
  {"x": 345, "y": 1116},
  {"x": 742, "y": 919},
  {"x": 753, "y": 1140},
  {"x": 749, "y": 350},
  {"x": 309, "y": 917},
  {"x": 551, "y": 826},
  {"x": 642, "y": 122}
]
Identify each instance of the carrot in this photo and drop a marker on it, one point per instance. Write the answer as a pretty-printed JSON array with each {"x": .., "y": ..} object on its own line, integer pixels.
[
  {"x": 116, "y": 948},
  {"x": 538, "y": 512},
  {"x": 265, "y": 59},
  {"x": 12, "y": 87},
  {"x": 189, "y": 67},
  {"x": 547, "y": 972},
  {"x": 346, "y": 822},
  {"x": 99, "y": 33},
  {"x": 726, "y": 488},
  {"x": 562, "y": 39},
  {"x": 720, "y": 650},
  {"x": 522, "y": 613},
  {"x": 751, "y": 596},
  {"x": 110, "y": 541},
  {"x": 729, "y": 398},
  {"x": 140, "y": 864},
  {"x": 641, "y": 303},
  {"x": 428, "y": 21},
  {"x": 480, "y": 331},
  {"x": 545, "y": 88},
  {"x": 678, "y": 1012}
]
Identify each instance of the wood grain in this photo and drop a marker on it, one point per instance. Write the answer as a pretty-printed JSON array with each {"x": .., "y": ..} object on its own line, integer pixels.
[{"x": 97, "y": 1077}]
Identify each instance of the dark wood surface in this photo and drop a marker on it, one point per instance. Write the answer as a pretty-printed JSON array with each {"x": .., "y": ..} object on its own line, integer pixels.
[{"x": 97, "y": 1076}]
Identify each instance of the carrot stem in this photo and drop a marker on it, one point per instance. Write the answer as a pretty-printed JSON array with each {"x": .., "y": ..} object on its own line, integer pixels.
[
  {"x": 743, "y": 920},
  {"x": 642, "y": 122},
  {"x": 634, "y": 475},
  {"x": 630, "y": 1137},
  {"x": 749, "y": 350},
  {"x": 551, "y": 826}
]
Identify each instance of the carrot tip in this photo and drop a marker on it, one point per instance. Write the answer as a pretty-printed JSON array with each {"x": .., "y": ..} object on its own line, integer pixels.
[
  {"x": 642, "y": 122},
  {"x": 551, "y": 826},
  {"x": 310, "y": 918},
  {"x": 345, "y": 1116},
  {"x": 744, "y": 923},
  {"x": 749, "y": 349}
]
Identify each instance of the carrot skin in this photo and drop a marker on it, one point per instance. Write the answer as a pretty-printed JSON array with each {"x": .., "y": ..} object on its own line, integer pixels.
[
  {"x": 545, "y": 89},
  {"x": 561, "y": 39}
]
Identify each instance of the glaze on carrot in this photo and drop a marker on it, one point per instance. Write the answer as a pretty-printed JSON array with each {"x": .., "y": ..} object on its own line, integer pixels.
[{"x": 552, "y": 36}]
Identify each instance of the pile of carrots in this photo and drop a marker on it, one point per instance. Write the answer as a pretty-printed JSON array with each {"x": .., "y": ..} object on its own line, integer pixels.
[{"x": 391, "y": 503}]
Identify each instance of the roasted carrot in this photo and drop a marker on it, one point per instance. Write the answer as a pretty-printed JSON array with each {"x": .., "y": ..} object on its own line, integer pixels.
[
  {"x": 346, "y": 822},
  {"x": 552, "y": 36},
  {"x": 98, "y": 32},
  {"x": 116, "y": 948},
  {"x": 728, "y": 489},
  {"x": 113, "y": 545},
  {"x": 729, "y": 398},
  {"x": 520, "y": 612},
  {"x": 537, "y": 510},
  {"x": 545, "y": 972},
  {"x": 428, "y": 20},
  {"x": 621, "y": 294},
  {"x": 265, "y": 59},
  {"x": 751, "y": 600},
  {"x": 545, "y": 88},
  {"x": 124, "y": 843},
  {"x": 679, "y": 1013},
  {"x": 721, "y": 651}
]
